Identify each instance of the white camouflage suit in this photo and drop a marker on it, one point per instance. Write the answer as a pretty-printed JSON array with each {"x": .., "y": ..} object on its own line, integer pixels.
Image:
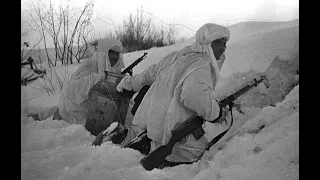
[
  {"x": 73, "y": 106},
  {"x": 182, "y": 84}
]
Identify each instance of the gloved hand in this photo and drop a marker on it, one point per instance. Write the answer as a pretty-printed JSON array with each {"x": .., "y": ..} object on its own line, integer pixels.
[
  {"x": 224, "y": 115},
  {"x": 125, "y": 83},
  {"x": 113, "y": 133}
]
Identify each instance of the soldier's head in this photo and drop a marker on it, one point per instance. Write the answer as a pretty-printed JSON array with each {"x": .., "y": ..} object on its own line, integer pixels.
[
  {"x": 218, "y": 47},
  {"x": 109, "y": 54},
  {"x": 215, "y": 35},
  {"x": 213, "y": 39},
  {"x": 114, "y": 55}
]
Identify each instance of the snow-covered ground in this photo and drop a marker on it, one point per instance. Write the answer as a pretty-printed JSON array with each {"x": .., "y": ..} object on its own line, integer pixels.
[{"x": 262, "y": 144}]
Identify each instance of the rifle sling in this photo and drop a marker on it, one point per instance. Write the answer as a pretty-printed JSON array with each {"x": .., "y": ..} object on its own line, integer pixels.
[
  {"x": 217, "y": 138},
  {"x": 211, "y": 143}
]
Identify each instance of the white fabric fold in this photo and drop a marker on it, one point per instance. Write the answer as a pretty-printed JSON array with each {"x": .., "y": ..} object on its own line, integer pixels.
[
  {"x": 182, "y": 84},
  {"x": 76, "y": 92}
]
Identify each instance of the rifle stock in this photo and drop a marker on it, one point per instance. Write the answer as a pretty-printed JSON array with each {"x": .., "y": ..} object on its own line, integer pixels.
[{"x": 155, "y": 158}]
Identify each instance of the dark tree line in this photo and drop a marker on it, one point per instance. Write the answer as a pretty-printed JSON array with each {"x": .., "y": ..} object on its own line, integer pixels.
[{"x": 139, "y": 32}]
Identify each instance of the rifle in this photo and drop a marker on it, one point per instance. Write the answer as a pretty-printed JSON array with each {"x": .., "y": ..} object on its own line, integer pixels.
[
  {"x": 129, "y": 68},
  {"x": 155, "y": 158}
]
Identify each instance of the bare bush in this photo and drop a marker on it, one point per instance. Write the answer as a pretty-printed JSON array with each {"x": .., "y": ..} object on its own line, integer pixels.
[
  {"x": 69, "y": 29},
  {"x": 26, "y": 47},
  {"x": 139, "y": 32},
  {"x": 172, "y": 34},
  {"x": 55, "y": 79},
  {"x": 181, "y": 39}
]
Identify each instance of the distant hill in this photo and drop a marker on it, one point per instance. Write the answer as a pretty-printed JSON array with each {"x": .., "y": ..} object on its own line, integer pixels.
[
  {"x": 255, "y": 45},
  {"x": 244, "y": 29}
]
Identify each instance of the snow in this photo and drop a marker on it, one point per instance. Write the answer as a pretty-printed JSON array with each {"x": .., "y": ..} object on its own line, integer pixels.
[
  {"x": 255, "y": 48},
  {"x": 262, "y": 144}
]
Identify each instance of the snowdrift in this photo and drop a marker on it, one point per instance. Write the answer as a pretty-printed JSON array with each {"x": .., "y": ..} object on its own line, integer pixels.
[
  {"x": 244, "y": 29},
  {"x": 265, "y": 147},
  {"x": 262, "y": 144},
  {"x": 257, "y": 49}
]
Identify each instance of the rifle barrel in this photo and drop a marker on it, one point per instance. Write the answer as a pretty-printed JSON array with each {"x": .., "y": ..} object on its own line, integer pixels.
[
  {"x": 238, "y": 93},
  {"x": 131, "y": 66}
]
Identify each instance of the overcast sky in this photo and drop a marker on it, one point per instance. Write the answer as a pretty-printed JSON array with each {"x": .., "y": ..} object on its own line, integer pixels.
[{"x": 190, "y": 14}]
